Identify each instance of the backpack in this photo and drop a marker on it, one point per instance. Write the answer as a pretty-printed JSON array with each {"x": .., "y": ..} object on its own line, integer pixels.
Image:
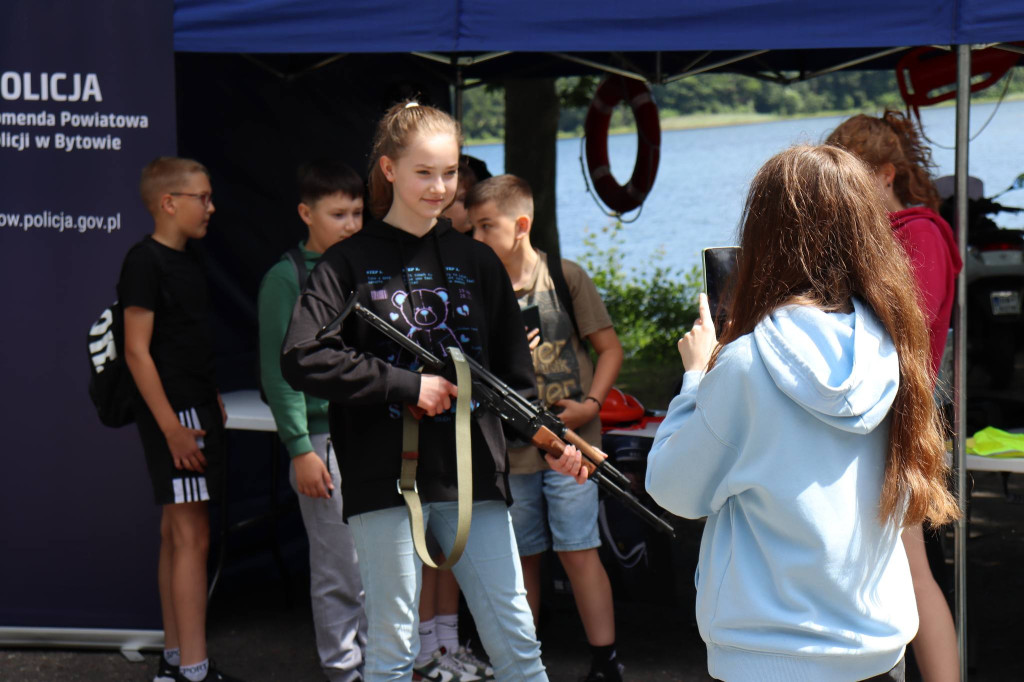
[
  {"x": 111, "y": 387},
  {"x": 639, "y": 561},
  {"x": 298, "y": 261}
]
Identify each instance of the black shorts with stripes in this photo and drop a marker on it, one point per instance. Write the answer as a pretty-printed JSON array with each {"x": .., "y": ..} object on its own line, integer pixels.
[{"x": 175, "y": 486}]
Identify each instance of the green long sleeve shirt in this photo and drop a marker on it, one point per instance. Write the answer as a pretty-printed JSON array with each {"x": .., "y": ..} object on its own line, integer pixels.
[{"x": 297, "y": 415}]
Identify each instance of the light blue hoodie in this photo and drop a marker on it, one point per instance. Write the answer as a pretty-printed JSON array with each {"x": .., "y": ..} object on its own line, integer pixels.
[{"x": 782, "y": 445}]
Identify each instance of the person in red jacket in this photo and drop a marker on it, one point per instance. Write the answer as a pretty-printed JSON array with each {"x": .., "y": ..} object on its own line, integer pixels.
[
  {"x": 929, "y": 241},
  {"x": 892, "y": 147}
]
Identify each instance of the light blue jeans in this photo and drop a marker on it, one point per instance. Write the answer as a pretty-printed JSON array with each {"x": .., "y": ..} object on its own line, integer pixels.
[{"x": 489, "y": 574}]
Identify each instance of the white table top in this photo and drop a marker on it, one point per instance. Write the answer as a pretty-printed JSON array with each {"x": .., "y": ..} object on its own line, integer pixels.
[
  {"x": 978, "y": 463},
  {"x": 647, "y": 431},
  {"x": 974, "y": 462},
  {"x": 247, "y": 412}
]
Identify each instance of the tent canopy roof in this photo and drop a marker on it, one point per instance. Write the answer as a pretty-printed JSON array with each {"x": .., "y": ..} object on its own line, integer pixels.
[{"x": 466, "y": 26}]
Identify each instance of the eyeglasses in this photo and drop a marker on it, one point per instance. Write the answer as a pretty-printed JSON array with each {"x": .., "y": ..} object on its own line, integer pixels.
[{"x": 205, "y": 198}]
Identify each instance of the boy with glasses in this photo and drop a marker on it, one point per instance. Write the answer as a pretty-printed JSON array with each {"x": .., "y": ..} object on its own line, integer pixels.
[{"x": 180, "y": 416}]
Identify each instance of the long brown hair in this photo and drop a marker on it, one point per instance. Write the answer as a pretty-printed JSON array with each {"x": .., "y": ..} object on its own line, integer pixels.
[
  {"x": 815, "y": 232},
  {"x": 892, "y": 138},
  {"x": 395, "y": 131}
]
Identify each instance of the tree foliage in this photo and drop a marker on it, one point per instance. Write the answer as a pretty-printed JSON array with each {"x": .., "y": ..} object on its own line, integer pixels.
[
  {"x": 715, "y": 93},
  {"x": 483, "y": 113},
  {"x": 650, "y": 310}
]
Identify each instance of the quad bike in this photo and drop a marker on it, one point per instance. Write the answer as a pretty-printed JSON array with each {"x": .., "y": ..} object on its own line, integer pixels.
[{"x": 994, "y": 269}]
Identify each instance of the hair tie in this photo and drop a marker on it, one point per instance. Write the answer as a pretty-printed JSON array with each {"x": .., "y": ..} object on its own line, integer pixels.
[{"x": 409, "y": 105}]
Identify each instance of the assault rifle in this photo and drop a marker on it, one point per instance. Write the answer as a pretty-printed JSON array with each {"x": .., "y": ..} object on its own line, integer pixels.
[{"x": 531, "y": 422}]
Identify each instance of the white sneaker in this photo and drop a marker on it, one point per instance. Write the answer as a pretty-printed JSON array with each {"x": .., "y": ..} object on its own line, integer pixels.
[
  {"x": 443, "y": 668},
  {"x": 471, "y": 664}
]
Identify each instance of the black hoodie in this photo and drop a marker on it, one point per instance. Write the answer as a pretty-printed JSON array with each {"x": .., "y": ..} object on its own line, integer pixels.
[{"x": 442, "y": 289}]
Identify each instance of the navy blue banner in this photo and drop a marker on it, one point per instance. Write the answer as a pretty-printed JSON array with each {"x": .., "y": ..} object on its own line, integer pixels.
[{"x": 86, "y": 99}]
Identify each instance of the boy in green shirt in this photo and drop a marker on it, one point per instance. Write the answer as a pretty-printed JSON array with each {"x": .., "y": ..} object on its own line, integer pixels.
[{"x": 331, "y": 205}]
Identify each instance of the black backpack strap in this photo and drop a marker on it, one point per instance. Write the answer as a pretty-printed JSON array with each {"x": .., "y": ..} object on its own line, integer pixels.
[
  {"x": 298, "y": 260},
  {"x": 564, "y": 294}
]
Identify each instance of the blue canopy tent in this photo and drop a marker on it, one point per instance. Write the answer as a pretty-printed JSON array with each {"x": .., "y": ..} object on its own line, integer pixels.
[
  {"x": 656, "y": 40},
  {"x": 466, "y": 26}
]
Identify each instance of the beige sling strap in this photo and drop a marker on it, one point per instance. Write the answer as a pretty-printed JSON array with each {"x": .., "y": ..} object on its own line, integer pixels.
[{"x": 464, "y": 468}]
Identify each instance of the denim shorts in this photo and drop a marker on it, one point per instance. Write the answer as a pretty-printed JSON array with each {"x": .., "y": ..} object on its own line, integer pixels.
[{"x": 551, "y": 510}]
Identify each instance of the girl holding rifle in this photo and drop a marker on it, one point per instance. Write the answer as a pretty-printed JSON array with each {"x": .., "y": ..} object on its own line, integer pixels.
[{"x": 410, "y": 267}]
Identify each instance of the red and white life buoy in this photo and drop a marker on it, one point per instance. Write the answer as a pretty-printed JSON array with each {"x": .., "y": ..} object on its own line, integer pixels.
[{"x": 613, "y": 90}]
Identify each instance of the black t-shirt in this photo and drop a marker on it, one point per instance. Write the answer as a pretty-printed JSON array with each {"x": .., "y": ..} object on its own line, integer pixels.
[
  {"x": 440, "y": 290},
  {"x": 172, "y": 284}
]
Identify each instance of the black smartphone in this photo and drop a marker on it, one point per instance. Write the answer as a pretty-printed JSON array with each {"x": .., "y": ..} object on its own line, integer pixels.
[
  {"x": 531, "y": 318},
  {"x": 719, "y": 279}
]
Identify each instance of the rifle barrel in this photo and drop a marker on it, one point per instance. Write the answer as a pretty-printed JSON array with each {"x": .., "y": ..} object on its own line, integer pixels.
[
  {"x": 430, "y": 360},
  {"x": 502, "y": 398},
  {"x": 635, "y": 505}
]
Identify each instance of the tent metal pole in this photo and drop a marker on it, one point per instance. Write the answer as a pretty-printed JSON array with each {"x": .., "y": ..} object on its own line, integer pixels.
[
  {"x": 614, "y": 70},
  {"x": 459, "y": 82},
  {"x": 715, "y": 65},
  {"x": 852, "y": 62},
  {"x": 1009, "y": 47},
  {"x": 697, "y": 60},
  {"x": 963, "y": 110},
  {"x": 290, "y": 76},
  {"x": 462, "y": 60}
]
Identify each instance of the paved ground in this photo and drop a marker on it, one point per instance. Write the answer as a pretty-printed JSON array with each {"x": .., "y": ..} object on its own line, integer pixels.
[{"x": 261, "y": 633}]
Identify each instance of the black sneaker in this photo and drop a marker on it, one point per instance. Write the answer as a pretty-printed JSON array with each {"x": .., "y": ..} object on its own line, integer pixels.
[
  {"x": 212, "y": 675},
  {"x": 165, "y": 672},
  {"x": 609, "y": 673}
]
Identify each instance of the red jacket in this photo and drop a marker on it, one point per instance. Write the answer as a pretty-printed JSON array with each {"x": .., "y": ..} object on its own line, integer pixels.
[{"x": 930, "y": 243}]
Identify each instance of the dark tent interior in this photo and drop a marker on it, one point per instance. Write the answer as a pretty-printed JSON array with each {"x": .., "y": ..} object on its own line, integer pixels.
[{"x": 252, "y": 123}]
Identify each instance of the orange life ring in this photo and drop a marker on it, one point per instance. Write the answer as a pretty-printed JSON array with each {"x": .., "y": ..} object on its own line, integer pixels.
[{"x": 613, "y": 90}]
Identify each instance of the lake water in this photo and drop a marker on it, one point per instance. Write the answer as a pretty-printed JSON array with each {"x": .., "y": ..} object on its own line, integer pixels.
[{"x": 703, "y": 177}]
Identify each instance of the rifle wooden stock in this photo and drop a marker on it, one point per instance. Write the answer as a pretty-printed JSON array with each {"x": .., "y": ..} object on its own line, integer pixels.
[
  {"x": 548, "y": 442},
  {"x": 593, "y": 458},
  {"x": 590, "y": 453}
]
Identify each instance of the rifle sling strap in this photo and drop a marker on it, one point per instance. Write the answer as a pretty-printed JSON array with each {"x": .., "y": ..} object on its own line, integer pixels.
[{"x": 464, "y": 469}]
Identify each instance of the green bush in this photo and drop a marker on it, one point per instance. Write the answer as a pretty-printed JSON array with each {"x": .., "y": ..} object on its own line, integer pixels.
[{"x": 650, "y": 309}]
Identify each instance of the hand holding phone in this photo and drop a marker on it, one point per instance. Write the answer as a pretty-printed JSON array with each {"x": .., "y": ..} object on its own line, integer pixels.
[
  {"x": 719, "y": 279},
  {"x": 697, "y": 345},
  {"x": 531, "y": 318}
]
